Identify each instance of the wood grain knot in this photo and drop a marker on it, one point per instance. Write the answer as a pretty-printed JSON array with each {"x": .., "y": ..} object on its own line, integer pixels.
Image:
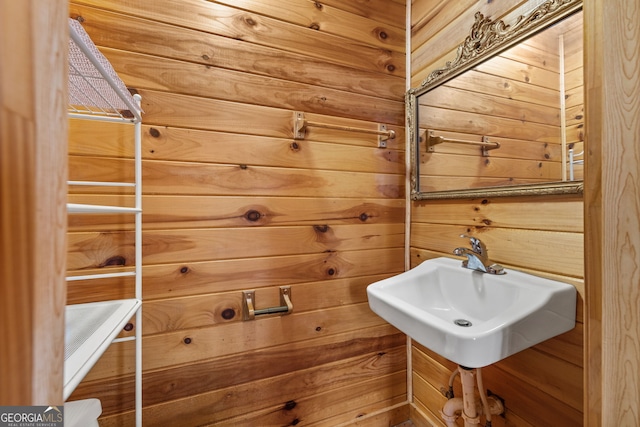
[
  {"x": 363, "y": 217},
  {"x": 114, "y": 260},
  {"x": 289, "y": 405},
  {"x": 184, "y": 270},
  {"x": 295, "y": 146},
  {"x": 318, "y": 5},
  {"x": 331, "y": 271},
  {"x": 128, "y": 327},
  {"x": 252, "y": 215},
  {"x": 391, "y": 68},
  {"x": 228, "y": 314},
  {"x": 187, "y": 340},
  {"x": 154, "y": 132},
  {"x": 321, "y": 228},
  {"x": 314, "y": 26}
]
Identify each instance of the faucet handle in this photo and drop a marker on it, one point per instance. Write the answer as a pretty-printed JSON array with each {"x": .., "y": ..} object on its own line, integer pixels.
[{"x": 476, "y": 244}]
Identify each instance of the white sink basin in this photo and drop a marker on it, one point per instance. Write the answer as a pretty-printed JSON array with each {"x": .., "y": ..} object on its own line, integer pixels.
[{"x": 500, "y": 315}]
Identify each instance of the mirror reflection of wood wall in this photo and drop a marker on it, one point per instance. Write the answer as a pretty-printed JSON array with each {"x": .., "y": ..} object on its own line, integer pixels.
[{"x": 529, "y": 99}]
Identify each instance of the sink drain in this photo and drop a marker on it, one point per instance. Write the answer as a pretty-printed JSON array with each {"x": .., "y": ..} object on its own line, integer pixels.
[{"x": 462, "y": 322}]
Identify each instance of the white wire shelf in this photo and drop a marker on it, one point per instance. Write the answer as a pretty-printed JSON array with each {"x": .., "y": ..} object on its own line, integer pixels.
[
  {"x": 102, "y": 183},
  {"x": 95, "y": 90},
  {"x": 90, "y": 329},
  {"x": 101, "y": 276},
  {"x": 99, "y": 209}
]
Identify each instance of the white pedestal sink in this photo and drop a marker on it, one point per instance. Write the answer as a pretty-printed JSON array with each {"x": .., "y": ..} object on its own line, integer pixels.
[{"x": 471, "y": 318}]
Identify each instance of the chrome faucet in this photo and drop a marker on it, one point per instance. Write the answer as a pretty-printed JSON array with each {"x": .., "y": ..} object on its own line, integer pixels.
[{"x": 477, "y": 258}]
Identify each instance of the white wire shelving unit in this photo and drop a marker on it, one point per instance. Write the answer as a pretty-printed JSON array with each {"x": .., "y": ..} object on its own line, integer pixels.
[{"x": 97, "y": 93}]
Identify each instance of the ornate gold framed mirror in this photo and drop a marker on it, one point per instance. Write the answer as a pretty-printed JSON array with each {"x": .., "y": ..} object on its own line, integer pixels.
[{"x": 506, "y": 117}]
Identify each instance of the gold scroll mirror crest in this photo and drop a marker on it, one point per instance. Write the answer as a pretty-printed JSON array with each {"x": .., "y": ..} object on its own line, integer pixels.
[{"x": 505, "y": 118}]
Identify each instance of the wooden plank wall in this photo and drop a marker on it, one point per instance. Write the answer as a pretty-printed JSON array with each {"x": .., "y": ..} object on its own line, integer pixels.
[
  {"x": 542, "y": 235},
  {"x": 612, "y": 216},
  {"x": 232, "y": 202}
]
